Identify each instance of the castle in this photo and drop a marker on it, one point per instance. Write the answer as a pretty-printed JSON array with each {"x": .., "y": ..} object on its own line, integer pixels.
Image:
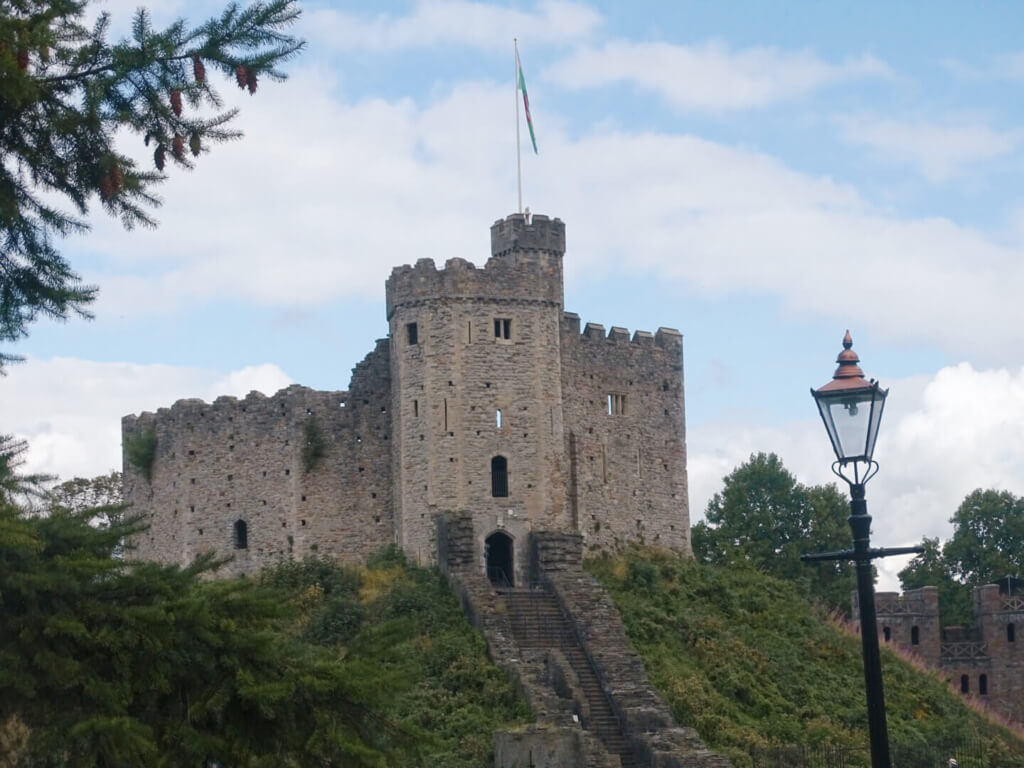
[
  {"x": 985, "y": 660},
  {"x": 485, "y": 399}
]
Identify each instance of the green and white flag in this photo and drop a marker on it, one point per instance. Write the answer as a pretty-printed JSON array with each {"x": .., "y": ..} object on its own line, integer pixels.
[{"x": 526, "y": 104}]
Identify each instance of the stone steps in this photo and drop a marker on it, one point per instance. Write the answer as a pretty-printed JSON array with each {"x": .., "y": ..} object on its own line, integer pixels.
[{"x": 537, "y": 622}]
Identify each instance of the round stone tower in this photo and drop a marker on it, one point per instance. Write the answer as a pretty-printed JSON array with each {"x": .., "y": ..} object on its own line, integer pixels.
[{"x": 477, "y": 394}]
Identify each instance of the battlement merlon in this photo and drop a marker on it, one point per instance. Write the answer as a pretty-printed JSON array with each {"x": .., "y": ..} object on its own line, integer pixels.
[
  {"x": 525, "y": 265},
  {"x": 665, "y": 338},
  {"x": 292, "y": 398}
]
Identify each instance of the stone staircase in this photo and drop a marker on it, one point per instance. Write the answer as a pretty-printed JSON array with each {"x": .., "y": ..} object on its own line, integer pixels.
[{"x": 538, "y": 622}]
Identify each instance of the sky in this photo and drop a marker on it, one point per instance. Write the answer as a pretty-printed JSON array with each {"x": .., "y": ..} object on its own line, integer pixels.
[{"x": 762, "y": 176}]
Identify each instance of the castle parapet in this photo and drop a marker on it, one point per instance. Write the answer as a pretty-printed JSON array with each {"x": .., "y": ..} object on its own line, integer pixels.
[
  {"x": 521, "y": 233},
  {"x": 525, "y": 265}
]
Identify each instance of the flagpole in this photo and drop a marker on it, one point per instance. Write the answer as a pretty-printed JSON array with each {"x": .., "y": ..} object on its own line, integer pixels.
[{"x": 515, "y": 98}]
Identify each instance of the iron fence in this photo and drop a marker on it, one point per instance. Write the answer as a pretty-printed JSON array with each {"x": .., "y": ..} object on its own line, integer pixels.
[{"x": 971, "y": 755}]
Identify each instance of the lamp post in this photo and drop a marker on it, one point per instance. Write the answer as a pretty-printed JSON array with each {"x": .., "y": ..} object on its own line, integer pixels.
[{"x": 851, "y": 408}]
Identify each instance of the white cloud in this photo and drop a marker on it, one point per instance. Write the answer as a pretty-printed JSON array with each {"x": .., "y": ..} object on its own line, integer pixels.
[
  {"x": 939, "y": 150},
  {"x": 70, "y": 410},
  {"x": 711, "y": 76},
  {"x": 323, "y": 198},
  {"x": 941, "y": 437},
  {"x": 453, "y": 22}
]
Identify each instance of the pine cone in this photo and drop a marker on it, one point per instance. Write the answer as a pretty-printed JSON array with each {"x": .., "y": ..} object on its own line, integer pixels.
[
  {"x": 23, "y": 59},
  {"x": 44, "y": 54},
  {"x": 148, "y": 137},
  {"x": 117, "y": 177},
  {"x": 198, "y": 69},
  {"x": 251, "y": 82},
  {"x": 241, "y": 76},
  {"x": 178, "y": 146},
  {"x": 158, "y": 157},
  {"x": 195, "y": 144},
  {"x": 106, "y": 188},
  {"x": 176, "y": 102}
]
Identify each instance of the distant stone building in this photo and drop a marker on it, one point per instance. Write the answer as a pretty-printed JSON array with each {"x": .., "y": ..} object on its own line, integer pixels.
[
  {"x": 985, "y": 660},
  {"x": 486, "y": 398}
]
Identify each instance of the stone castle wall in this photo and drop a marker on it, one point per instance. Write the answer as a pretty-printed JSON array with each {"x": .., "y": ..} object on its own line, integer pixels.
[
  {"x": 480, "y": 378},
  {"x": 482, "y": 365},
  {"x": 624, "y": 436},
  {"x": 230, "y": 461},
  {"x": 985, "y": 661}
]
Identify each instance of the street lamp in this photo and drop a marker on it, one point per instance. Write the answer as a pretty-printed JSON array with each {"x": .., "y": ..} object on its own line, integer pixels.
[{"x": 851, "y": 408}]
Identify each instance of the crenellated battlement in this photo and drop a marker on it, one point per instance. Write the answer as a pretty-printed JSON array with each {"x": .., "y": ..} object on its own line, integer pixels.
[
  {"x": 483, "y": 397},
  {"x": 594, "y": 333},
  {"x": 525, "y": 265},
  {"x": 521, "y": 232},
  {"x": 227, "y": 406}
]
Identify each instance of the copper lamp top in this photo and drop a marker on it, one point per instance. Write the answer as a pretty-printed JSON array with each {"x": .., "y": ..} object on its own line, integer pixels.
[{"x": 848, "y": 375}]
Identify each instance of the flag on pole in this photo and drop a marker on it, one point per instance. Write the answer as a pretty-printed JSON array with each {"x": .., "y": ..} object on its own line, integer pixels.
[{"x": 526, "y": 103}]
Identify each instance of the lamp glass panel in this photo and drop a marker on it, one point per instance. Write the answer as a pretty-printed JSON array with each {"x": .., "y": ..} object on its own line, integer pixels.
[
  {"x": 849, "y": 414},
  {"x": 876, "y": 419}
]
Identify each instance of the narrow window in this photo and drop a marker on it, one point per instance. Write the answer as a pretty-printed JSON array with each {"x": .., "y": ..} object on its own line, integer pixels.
[
  {"x": 965, "y": 684},
  {"x": 241, "y": 535},
  {"x": 886, "y": 634},
  {"x": 503, "y": 328},
  {"x": 915, "y": 636},
  {"x": 469, "y": 332},
  {"x": 412, "y": 332},
  {"x": 497, "y": 418},
  {"x": 446, "y": 414},
  {"x": 983, "y": 685},
  {"x": 1011, "y": 633},
  {"x": 616, "y": 405},
  {"x": 415, "y": 407},
  {"x": 499, "y": 477}
]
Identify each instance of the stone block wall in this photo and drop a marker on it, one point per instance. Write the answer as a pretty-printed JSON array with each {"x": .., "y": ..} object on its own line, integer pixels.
[
  {"x": 232, "y": 462},
  {"x": 625, "y": 436},
  {"x": 914, "y": 613},
  {"x": 980, "y": 660},
  {"x": 477, "y": 369}
]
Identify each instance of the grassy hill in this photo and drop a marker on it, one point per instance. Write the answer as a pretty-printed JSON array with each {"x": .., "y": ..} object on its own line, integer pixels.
[
  {"x": 421, "y": 665},
  {"x": 745, "y": 660},
  {"x": 738, "y": 655}
]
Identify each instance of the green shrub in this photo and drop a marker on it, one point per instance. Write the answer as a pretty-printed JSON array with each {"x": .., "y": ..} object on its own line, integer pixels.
[
  {"x": 314, "y": 446},
  {"x": 140, "y": 451}
]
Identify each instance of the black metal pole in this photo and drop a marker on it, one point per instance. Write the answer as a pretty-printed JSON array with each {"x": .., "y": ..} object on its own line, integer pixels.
[{"x": 860, "y": 524}]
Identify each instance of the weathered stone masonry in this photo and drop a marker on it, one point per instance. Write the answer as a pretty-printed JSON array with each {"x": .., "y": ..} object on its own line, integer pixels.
[
  {"x": 486, "y": 397},
  {"x": 985, "y": 660}
]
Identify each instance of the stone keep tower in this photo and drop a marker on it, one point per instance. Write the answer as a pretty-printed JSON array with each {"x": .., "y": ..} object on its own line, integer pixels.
[
  {"x": 486, "y": 399},
  {"x": 477, "y": 392}
]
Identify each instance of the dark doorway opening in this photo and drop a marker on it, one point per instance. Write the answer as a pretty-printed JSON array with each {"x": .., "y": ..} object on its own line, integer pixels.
[{"x": 498, "y": 556}]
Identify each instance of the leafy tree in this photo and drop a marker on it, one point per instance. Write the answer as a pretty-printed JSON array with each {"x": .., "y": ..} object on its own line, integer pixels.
[
  {"x": 987, "y": 545},
  {"x": 928, "y": 569},
  {"x": 764, "y": 518},
  {"x": 67, "y": 95},
  {"x": 81, "y": 493},
  {"x": 105, "y": 663},
  {"x": 988, "y": 540}
]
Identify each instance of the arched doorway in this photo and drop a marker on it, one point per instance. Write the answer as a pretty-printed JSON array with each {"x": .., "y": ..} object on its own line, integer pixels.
[{"x": 498, "y": 557}]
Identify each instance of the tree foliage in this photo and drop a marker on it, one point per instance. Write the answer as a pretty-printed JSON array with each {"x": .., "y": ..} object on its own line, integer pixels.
[
  {"x": 108, "y": 663},
  {"x": 68, "y": 95},
  {"x": 764, "y": 518},
  {"x": 987, "y": 545}
]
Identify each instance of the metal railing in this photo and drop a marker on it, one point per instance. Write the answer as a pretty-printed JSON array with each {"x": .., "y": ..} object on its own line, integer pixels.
[
  {"x": 971, "y": 755},
  {"x": 967, "y": 650}
]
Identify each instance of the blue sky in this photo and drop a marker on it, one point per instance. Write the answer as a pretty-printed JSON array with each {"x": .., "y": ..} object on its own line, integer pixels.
[{"x": 760, "y": 175}]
